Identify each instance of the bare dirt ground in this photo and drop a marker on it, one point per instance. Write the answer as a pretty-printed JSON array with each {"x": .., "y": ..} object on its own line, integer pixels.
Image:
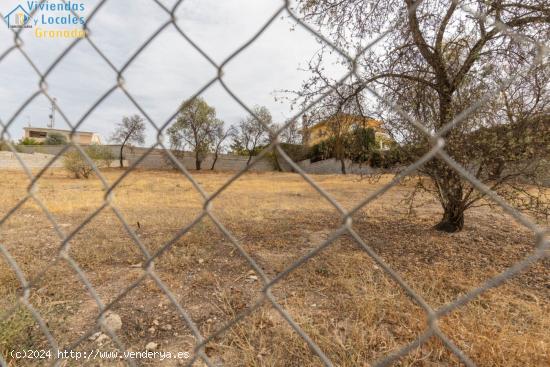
[{"x": 341, "y": 298}]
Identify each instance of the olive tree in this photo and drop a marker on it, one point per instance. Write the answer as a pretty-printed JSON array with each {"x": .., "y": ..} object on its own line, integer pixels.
[
  {"x": 252, "y": 133},
  {"x": 446, "y": 67},
  {"x": 195, "y": 128},
  {"x": 219, "y": 140},
  {"x": 129, "y": 130}
]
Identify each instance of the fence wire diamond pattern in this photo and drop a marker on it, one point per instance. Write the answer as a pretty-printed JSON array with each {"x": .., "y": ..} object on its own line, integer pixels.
[{"x": 285, "y": 8}]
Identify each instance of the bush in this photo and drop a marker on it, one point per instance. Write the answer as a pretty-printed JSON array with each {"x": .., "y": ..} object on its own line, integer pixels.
[
  {"x": 297, "y": 152},
  {"x": 360, "y": 144},
  {"x": 75, "y": 163},
  {"x": 17, "y": 332},
  {"x": 3, "y": 145},
  {"x": 392, "y": 157},
  {"x": 376, "y": 159},
  {"x": 29, "y": 141},
  {"x": 323, "y": 150},
  {"x": 102, "y": 154},
  {"x": 55, "y": 139},
  {"x": 357, "y": 145}
]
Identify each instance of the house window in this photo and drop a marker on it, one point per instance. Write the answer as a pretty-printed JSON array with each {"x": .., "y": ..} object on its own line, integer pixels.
[{"x": 37, "y": 134}]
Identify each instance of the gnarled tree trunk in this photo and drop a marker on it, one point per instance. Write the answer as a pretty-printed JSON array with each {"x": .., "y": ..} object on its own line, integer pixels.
[
  {"x": 198, "y": 162},
  {"x": 453, "y": 218},
  {"x": 451, "y": 191}
]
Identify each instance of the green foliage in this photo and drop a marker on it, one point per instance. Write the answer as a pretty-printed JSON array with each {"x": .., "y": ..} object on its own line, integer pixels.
[
  {"x": 196, "y": 127},
  {"x": 376, "y": 159},
  {"x": 102, "y": 154},
  {"x": 15, "y": 332},
  {"x": 393, "y": 157},
  {"x": 130, "y": 131},
  {"x": 323, "y": 150},
  {"x": 360, "y": 144},
  {"x": 3, "y": 145},
  {"x": 55, "y": 139},
  {"x": 360, "y": 147},
  {"x": 251, "y": 135},
  {"x": 29, "y": 141},
  {"x": 237, "y": 148},
  {"x": 297, "y": 152},
  {"x": 76, "y": 164}
]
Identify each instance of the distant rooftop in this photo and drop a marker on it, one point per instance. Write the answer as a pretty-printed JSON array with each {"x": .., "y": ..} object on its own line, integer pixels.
[{"x": 57, "y": 130}]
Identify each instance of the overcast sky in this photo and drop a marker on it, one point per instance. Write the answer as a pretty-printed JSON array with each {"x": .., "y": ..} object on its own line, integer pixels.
[{"x": 165, "y": 73}]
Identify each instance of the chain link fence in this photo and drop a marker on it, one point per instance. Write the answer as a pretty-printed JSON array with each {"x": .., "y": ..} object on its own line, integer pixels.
[{"x": 285, "y": 8}]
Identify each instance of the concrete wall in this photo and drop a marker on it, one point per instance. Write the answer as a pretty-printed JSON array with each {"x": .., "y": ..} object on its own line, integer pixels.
[
  {"x": 226, "y": 162},
  {"x": 157, "y": 158},
  {"x": 334, "y": 166},
  {"x": 44, "y": 149},
  {"x": 9, "y": 161}
]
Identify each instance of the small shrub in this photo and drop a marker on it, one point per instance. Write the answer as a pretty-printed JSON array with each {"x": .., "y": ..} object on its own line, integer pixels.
[
  {"x": 75, "y": 163},
  {"x": 16, "y": 332},
  {"x": 392, "y": 157},
  {"x": 29, "y": 141},
  {"x": 322, "y": 150},
  {"x": 3, "y": 145},
  {"x": 376, "y": 159},
  {"x": 55, "y": 139},
  {"x": 102, "y": 154}
]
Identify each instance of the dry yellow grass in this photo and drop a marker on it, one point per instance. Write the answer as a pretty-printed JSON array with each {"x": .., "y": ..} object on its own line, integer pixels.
[{"x": 346, "y": 303}]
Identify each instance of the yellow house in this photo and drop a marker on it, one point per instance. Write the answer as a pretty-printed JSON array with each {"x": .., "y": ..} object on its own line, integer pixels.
[
  {"x": 80, "y": 137},
  {"x": 345, "y": 123}
]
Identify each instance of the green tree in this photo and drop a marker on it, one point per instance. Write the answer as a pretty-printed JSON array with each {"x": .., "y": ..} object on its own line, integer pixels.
[
  {"x": 360, "y": 144},
  {"x": 251, "y": 133},
  {"x": 129, "y": 130},
  {"x": 438, "y": 62},
  {"x": 197, "y": 128},
  {"x": 220, "y": 136},
  {"x": 55, "y": 139}
]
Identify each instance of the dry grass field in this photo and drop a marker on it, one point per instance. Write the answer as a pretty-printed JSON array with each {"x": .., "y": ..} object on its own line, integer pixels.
[{"x": 346, "y": 303}]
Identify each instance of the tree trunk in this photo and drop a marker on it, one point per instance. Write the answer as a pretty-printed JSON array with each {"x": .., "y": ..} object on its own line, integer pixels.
[
  {"x": 249, "y": 159},
  {"x": 450, "y": 187},
  {"x": 214, "y": 162},
  {"x": 197, "y": 163},
  {"x": 121, "y": 157},
  {"x": 447, "y": 180},
  {"x": 343, "y": 165},
  {"x": 276, "y": 161},
  {"x": 453, "y": 218}
]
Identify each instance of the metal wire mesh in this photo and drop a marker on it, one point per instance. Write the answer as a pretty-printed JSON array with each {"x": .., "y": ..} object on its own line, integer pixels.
[{"x": 437, "y": 150}]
